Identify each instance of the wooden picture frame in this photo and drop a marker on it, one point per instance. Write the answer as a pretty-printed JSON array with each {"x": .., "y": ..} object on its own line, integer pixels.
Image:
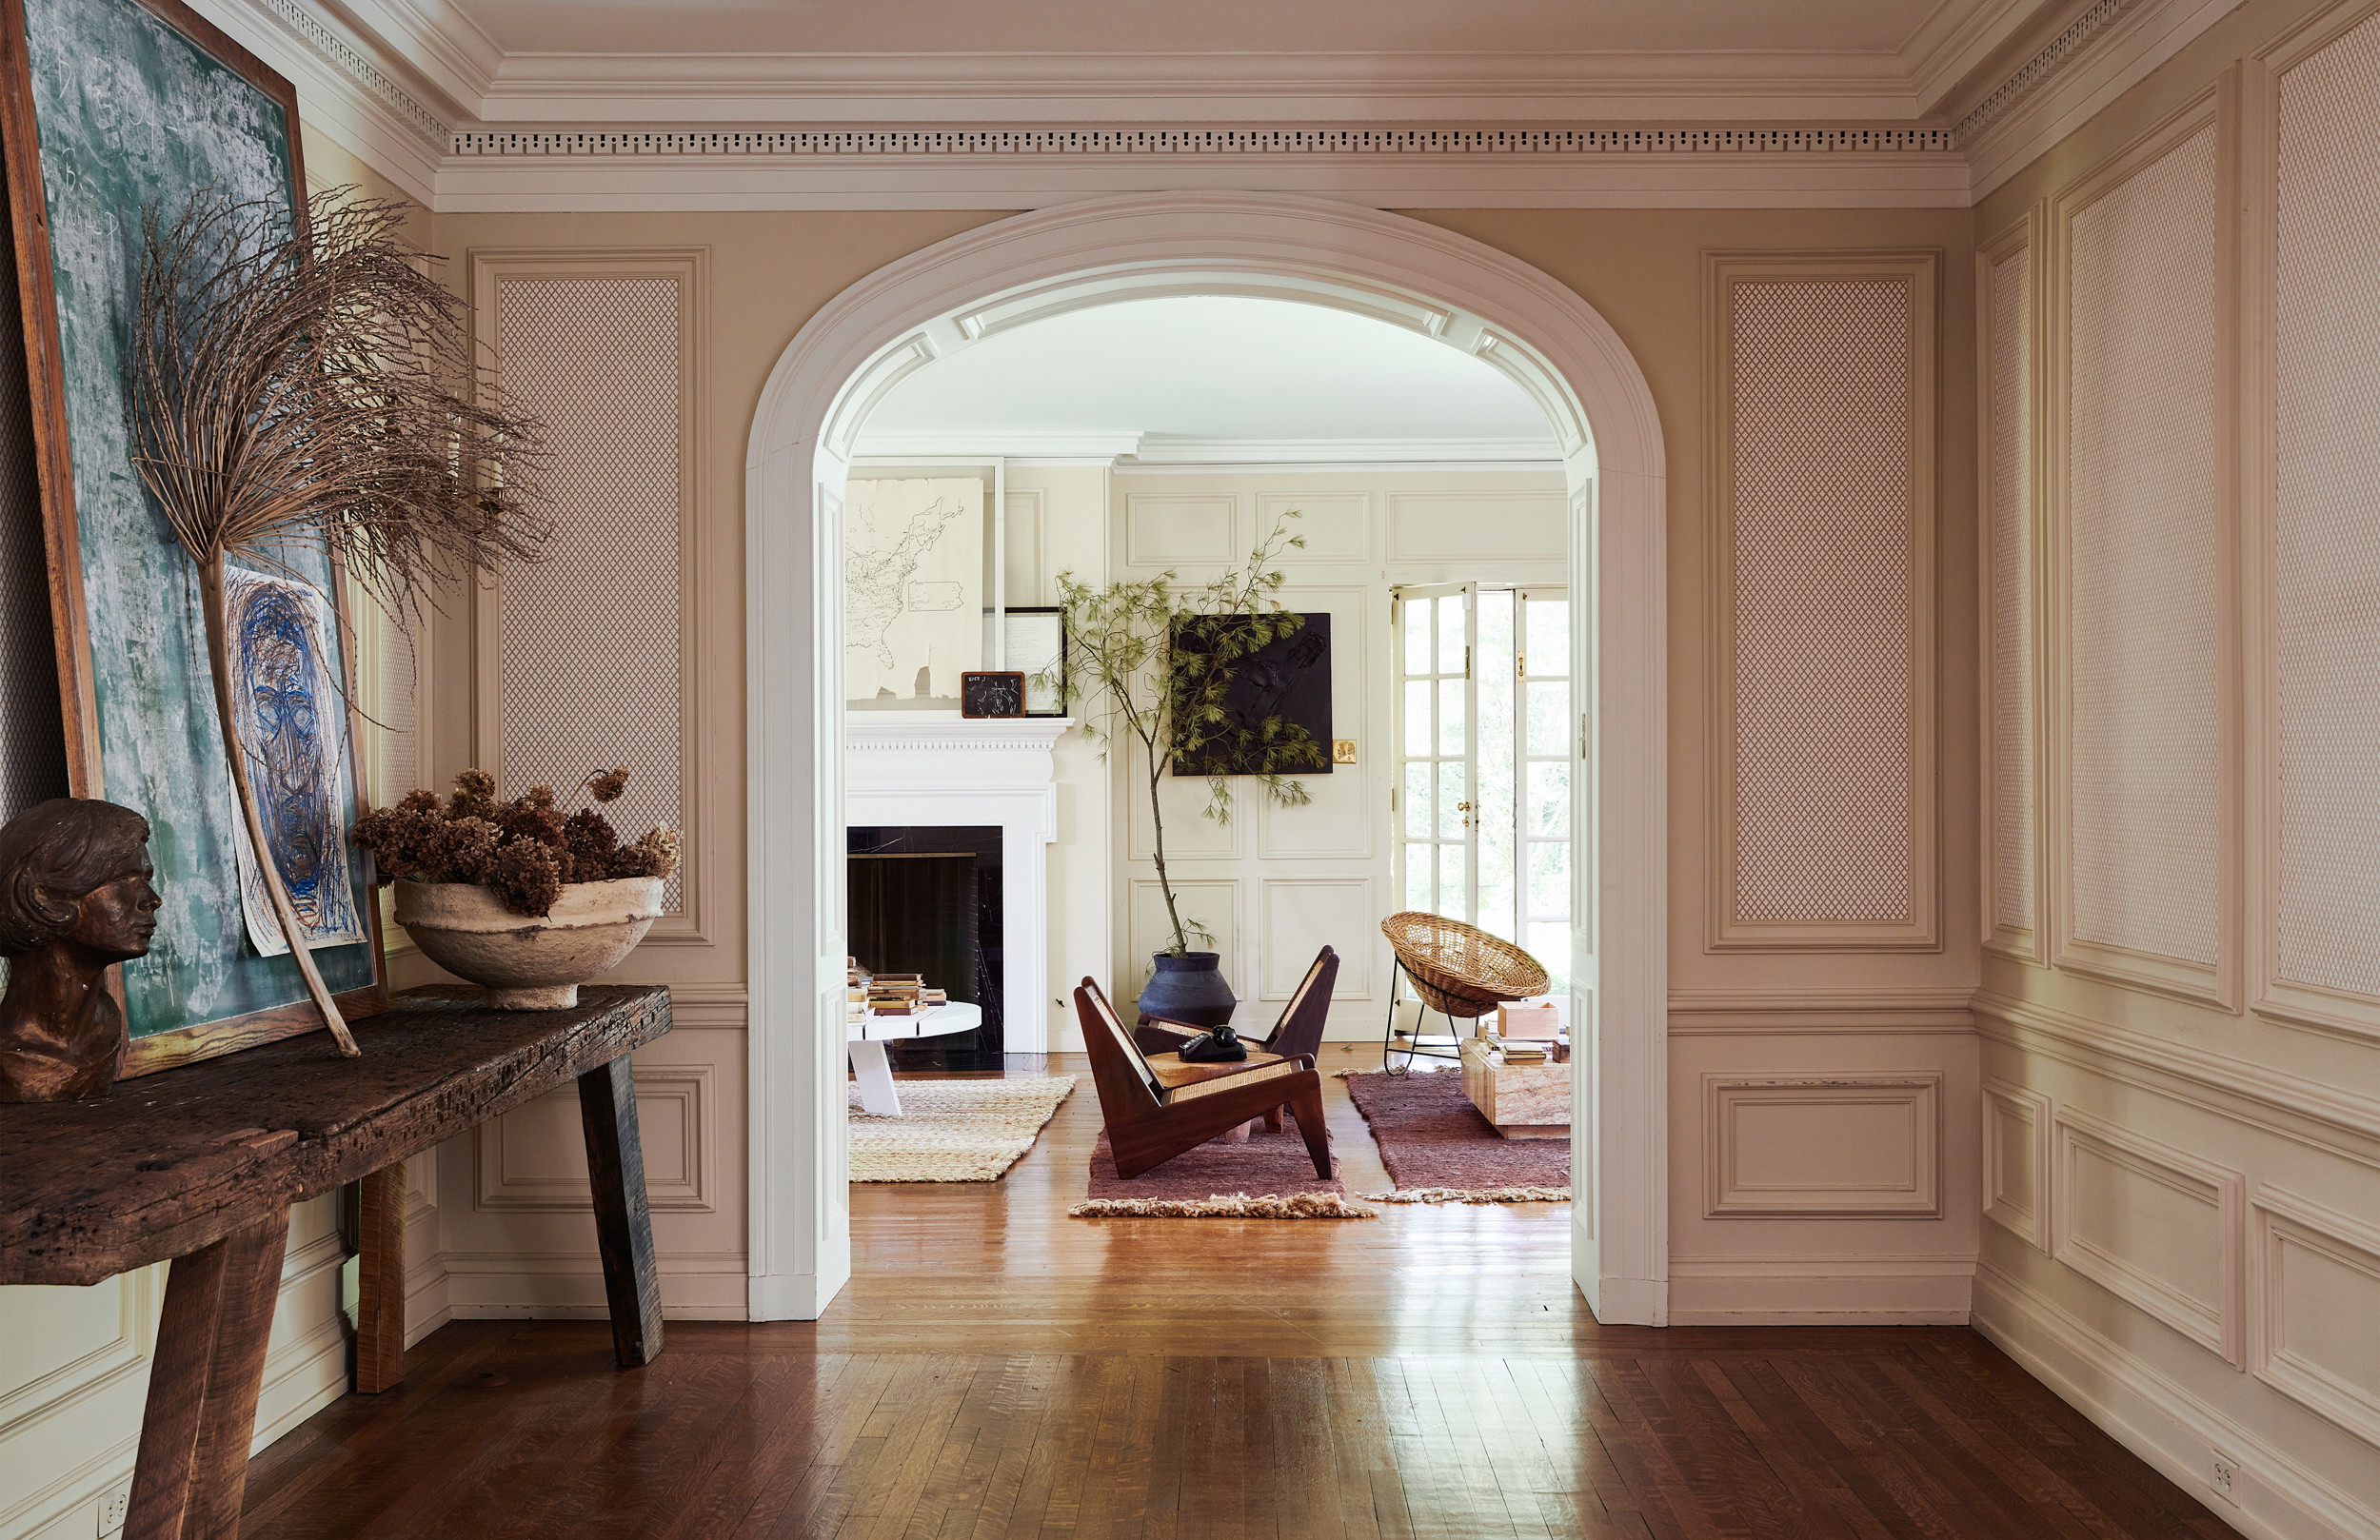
[{"x": 186, "y": 108}]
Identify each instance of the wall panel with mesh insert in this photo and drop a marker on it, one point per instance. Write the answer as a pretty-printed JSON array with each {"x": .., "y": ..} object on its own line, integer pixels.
[
  {"x": 2326, "y": 520},
  {"x": 2008, "y": 341},
  {"x": 1826, "y": 779},
  {"x": 2142, "y": 533},
  {"x": 592, "y": 640}
]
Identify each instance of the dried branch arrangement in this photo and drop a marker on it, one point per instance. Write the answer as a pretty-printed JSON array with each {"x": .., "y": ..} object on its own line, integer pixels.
[
  {"x": 309, "y": 382},
  {"x": 524, "y": 850}
]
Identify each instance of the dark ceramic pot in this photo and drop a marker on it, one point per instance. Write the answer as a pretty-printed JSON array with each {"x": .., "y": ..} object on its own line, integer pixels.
[{"x": 1190, "y": 988}]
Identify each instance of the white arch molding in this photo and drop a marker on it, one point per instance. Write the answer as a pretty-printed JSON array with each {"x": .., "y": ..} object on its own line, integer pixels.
[{"x": 1399, "y": 271}]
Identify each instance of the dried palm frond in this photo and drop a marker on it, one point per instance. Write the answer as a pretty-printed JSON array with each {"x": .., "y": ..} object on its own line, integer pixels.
[{"x": 302, "y": 378}]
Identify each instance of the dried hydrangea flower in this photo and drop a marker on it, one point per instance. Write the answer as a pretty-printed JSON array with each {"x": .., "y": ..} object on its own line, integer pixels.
[
  {"x": 532, "y": 822},
  {"x": 474, "y": 796},
  {"x": 656, "y": 855},
  {"x": 608, "y": 786},
  {"x": 467, "y": 850},
  {"x": 526, "y": 877}
]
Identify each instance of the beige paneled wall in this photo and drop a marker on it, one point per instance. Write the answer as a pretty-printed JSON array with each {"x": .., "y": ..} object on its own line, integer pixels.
[
  {"x": 2181, "y": 1017},
  {"x": 1881, "y": 1017}
]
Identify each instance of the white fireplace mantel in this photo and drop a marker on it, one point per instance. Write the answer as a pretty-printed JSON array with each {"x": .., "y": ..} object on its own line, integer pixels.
[{"x": 933, "y": 768}]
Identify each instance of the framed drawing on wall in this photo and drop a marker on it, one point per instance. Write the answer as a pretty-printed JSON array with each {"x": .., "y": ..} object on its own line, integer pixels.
[
  {"x": 1035, "y": 645},
  {"x": 110, "y": 109},
  {"x": 919, "y": 549}
]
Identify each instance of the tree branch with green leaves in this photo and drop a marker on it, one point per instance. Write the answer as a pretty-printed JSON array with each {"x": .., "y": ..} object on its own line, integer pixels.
[{"x": 1153, "y": 663}]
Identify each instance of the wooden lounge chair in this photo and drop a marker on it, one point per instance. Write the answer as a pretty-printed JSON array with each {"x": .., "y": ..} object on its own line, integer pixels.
[
  {"x": 1297, "y": 1035},
  {"x": 1155, "y": 1106}
]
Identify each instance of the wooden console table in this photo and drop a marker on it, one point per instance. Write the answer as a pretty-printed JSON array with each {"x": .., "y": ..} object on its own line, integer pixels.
[{"x": 201, "y": 1164}]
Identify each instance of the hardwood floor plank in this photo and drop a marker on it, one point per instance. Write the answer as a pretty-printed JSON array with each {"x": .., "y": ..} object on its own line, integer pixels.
[{"x": 997, "y": 1371}]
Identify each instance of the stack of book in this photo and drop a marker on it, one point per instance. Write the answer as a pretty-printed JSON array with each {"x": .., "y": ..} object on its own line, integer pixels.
[
  {"x": 886, "y": 994},
  {"x": 1522, "y": 1050}
]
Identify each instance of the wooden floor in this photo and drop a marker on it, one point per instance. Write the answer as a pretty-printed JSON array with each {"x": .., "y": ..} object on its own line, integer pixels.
[{"x": 996, "y": 1369}]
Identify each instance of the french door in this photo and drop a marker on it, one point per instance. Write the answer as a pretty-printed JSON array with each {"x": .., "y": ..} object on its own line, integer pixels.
[{"x": 1481, "y": 798}]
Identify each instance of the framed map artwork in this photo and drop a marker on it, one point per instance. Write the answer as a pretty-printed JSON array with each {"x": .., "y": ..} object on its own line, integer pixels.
[{"x": 913, "y": 586}]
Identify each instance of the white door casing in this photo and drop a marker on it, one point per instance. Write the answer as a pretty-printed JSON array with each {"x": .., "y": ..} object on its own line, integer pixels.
[{"x": 1400, "y": 270}]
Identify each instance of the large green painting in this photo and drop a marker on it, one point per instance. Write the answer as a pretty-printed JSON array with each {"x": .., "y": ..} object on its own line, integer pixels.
[{"x": 133, "y": 113}]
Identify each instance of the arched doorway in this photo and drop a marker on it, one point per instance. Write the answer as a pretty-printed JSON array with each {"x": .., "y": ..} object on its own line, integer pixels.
[{"x": 1400, "y": 270}]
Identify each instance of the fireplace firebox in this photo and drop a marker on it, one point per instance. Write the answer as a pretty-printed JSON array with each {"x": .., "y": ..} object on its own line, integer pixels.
[{"x": 928, "y": 899}]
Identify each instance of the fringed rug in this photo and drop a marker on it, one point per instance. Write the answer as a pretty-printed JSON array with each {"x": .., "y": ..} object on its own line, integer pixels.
[
  {"x": 1438, "y": 1148},
  {"x": 1269, "y": 1176},
  {"x": 953, "y": 1131}
]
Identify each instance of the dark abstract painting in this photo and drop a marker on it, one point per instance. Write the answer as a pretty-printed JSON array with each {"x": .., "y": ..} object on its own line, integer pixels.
[{"x": 1289, "y": 678}]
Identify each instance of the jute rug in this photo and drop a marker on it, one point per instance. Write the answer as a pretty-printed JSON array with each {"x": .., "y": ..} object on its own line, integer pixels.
[
  {"x": 953, "y": 1131},
  {"x": 1268, "y": 1176},
  {"x": 1438, "y": 1148}
]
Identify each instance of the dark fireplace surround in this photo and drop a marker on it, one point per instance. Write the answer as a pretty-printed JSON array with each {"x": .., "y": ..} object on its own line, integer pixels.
[{"x": 926, "y": 899}]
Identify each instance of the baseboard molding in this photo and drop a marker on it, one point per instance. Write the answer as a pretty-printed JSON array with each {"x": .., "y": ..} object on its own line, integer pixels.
[
  {"x": 695, "y": 1286},
  {"x": 792, "y": 1296},
  {"x": 2276, "y": 1497},
  {"x": 1820, "y": 1290}
]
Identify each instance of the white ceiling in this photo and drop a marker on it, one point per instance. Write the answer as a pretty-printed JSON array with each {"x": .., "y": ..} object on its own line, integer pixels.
[{"x": 1212, "y": 377}]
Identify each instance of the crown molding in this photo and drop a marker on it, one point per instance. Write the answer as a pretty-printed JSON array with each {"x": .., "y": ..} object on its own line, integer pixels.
[
  {"x": 418, "y": 91},
  {"x": 2090, "y": 72},
  {"x": 1165, "y": 452},
  {"x": 862, "y": 89},
  {"x": 1022, "y": 168},
  {"x": 1035, "y": 444}
]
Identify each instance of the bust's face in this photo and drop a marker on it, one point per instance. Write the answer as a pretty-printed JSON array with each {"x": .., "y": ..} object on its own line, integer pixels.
[{"x": 117, "y": 919}]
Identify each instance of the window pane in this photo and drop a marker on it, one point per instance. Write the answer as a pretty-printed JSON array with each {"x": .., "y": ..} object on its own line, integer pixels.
[
  {"x": 1497, "y": 638},
  {"x": 1496, "y": 898},
  {"x": 1450, "y": 737},
  {"x": 1453, "y": 798},
  {"x": 1419, "y": 892},
  {"x": 1417, "y": 621},
  {"x": 1418, "y": 819},
  {"x": 1451, "y": 640},
  {"x": 1419, "y": 736},
  {"x": 1549, "y": 942},
  {"x": 1453, "y": 887},
  {"x": 1549, "y": 798},
  {"x": 1549, "y": 718},
  {"x": 1549, "y": 636},
  {"x": 1549, "y": 880}
]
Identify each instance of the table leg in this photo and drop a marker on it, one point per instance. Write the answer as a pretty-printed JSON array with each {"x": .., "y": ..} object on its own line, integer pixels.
[
  {"x": 205, "y": 1376},
  {"x": 380, "y": 1281},
  {"x": 878, "y": 1095},
  {"x": 623, "y": 1225}
]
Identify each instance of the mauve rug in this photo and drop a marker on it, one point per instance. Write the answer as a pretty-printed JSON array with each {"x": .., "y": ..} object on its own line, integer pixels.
[
  {"x": 1438, "y": 1148},
  {"x": 1268, "y": 1176}
]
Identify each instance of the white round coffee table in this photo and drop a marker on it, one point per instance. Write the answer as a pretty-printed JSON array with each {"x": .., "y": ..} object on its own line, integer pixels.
[{"x": 870, "y": 1033}]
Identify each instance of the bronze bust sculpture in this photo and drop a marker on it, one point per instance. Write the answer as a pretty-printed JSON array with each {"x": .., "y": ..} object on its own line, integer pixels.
[{"x": 74, "y": 900}]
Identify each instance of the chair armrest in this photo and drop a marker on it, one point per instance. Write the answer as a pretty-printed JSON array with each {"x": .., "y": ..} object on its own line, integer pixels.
[
  {"x": 1154, "y": 1035},
  {"x": 1266, "y": 1063}
]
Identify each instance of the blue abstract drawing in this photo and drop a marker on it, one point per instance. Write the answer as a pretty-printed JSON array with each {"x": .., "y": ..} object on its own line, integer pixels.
[{"x": 291, "y": 720}]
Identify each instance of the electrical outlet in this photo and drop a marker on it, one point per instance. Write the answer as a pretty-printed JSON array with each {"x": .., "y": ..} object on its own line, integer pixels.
[
  {"x": 2223, "y": 1476},
  {"x": 113, "y": 1507}
]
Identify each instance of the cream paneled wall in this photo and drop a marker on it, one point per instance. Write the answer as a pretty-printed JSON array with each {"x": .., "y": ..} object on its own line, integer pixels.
[
  {"x": 2182, "y": 1029},
  {"x": 1277, "y": 883}
]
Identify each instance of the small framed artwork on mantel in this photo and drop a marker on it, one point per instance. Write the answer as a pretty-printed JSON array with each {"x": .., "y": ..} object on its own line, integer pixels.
[
  {"x": 1035, "y": 643},
  {"x": 999, "y": 693}
]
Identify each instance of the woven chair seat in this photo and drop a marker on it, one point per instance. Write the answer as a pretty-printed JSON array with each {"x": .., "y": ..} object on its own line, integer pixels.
[{"x": 1462, "y": 970}]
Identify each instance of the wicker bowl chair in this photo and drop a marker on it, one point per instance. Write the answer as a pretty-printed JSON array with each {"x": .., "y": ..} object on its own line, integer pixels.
[{"x": 1459, "y": 971}]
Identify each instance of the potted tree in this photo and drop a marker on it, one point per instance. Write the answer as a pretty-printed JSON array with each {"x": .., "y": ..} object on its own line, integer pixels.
[{"x": 1154, "y": 662}]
